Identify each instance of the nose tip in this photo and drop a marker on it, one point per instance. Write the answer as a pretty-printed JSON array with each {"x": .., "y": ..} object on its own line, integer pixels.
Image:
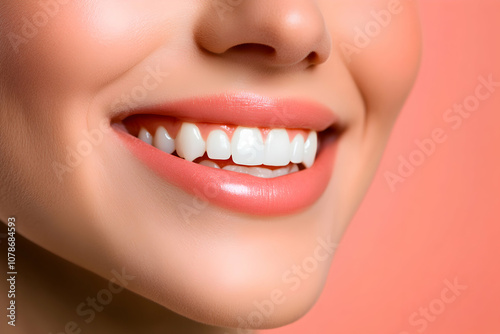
[{"x": 272, "y": 33}]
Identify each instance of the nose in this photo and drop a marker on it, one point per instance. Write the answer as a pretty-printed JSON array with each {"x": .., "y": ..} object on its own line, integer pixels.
[{"x": 273, "y": 33}]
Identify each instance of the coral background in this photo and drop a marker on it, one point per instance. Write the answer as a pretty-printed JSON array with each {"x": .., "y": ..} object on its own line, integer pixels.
[{"x": 442, "y": 224}]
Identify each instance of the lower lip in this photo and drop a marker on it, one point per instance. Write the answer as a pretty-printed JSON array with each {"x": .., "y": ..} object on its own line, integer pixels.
[{"x": 240, "y": 192}]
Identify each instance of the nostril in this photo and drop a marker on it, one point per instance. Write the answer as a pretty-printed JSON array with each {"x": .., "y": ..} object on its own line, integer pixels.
[{"x": 312, "y": 58}]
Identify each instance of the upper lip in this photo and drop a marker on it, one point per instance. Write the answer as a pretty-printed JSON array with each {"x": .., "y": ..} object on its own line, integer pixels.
[{"x": 244, "y": 109}]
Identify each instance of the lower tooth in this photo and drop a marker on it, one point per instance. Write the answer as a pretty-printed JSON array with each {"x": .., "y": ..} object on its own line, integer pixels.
[
  {"x": 208, "y": 163},
  {"x": 281, "y": 172},
  {"x": 260, "y": 171},
  {"x": 234, "y": 168}
]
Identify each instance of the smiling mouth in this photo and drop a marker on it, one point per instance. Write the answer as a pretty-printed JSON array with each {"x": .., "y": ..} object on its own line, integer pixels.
[
  {"x": 262, "y": 156},
  {"x": 260, "y": 152}
]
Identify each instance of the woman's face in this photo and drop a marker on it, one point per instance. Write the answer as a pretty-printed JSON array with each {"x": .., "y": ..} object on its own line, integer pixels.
[{"x": 239, "y": 83}]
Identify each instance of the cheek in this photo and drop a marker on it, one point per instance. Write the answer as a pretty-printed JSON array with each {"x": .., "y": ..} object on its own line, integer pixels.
[
  {"x": 380, "y": 43},
  {"x": 66, "y": 45},
  {"x": 54, "y": 55}
]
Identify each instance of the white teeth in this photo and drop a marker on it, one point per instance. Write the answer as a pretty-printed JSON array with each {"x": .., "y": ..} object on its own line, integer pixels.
[
  {"x": 261, "y": 171},
  {"x": 145, "y": 136},
  {"x": 209, "y": 163},
  {"x": 163, "y": 141},
  {"x": 277, "y": 149},
  {"x": 264, "y": 173},
  {"x": 218, "y": 145},
  {"x": 189, "y": 143},
  {"x": 297, "y": 149},
  {"x": 310, "y": 148},
  {"x": 282, "y": 171},
  {"x": 247, "y": 146},
  {"x": 234, "y": 168}
]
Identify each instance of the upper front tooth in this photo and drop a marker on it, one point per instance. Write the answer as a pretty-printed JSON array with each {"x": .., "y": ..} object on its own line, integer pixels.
[
  {"x": 189, "y": 143},
  {"x": 310, "y": 148},
  {"x": 145, "y": 136},
  {"x": 218, "y": 145},
  {"x": 277, "y": 150},
  {"x": 247, "y": 146},
  {"x": 163, "y": 141},
  {"x": 297, "y": 148}
]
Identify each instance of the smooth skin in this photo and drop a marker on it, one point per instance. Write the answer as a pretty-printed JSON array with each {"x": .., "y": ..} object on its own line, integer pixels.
[{"x": 111, "y": 213}]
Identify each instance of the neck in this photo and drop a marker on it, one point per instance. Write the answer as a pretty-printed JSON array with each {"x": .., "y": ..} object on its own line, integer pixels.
[{"x": 49, "y": 291}]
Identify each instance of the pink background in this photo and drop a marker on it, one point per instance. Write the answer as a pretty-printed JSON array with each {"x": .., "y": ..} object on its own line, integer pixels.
[{"x": 443, "y": 222}]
